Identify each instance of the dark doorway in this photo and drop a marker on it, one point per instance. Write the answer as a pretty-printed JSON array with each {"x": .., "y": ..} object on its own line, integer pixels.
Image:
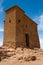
[{"x": 27, "y": 40}]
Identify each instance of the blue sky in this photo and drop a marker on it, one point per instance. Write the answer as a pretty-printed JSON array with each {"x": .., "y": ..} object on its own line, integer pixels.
[{"x": 32, "y": 8}]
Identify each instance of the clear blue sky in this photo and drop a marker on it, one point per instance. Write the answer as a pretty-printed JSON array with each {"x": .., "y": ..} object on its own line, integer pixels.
[{"x": 32, "y": 8}]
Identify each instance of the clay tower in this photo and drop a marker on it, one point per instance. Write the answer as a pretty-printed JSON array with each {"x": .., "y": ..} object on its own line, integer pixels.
[{"x": 19, "y": 29}]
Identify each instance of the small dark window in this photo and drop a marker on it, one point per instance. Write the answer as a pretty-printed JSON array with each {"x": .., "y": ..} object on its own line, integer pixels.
[
  {"x": 4, "y": 20},
  {"x": 36, "y": 30},
  {"x": 9, "y": 21},
  {"x": 19, "y": 21}
]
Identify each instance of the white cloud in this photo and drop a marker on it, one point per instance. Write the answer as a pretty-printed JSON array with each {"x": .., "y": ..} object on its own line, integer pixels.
[
  {"x": 1, "y": 6},
  {"x": 2, "y": 16},
  {"x": 1, "y": 30},
  {"x": 1, "y": 9},
  {"x": 39, "y": 20},
  {"x": 1, "y": 1},
  {"x": 40, "y": 27},
  {"x": 41, "y": 42},
  {"x": 1, "y": 42}
]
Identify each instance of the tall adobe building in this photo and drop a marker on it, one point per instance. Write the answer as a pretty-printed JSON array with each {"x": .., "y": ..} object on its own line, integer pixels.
[{"x": 20, "y": 30}]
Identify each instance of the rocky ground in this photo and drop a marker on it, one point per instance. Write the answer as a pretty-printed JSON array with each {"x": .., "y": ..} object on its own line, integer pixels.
[{"x": 21, "y": 56}]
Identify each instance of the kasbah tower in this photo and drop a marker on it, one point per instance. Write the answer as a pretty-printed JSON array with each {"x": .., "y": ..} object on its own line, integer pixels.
[{"x": 19, "y": 29}]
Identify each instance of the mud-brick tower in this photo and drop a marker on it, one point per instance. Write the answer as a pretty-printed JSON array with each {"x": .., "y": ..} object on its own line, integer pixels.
[{"x": 19, "y": 29}]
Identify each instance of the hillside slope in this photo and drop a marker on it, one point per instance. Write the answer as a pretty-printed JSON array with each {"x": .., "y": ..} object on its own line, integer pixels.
[{"x": 21, "y": 56}]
